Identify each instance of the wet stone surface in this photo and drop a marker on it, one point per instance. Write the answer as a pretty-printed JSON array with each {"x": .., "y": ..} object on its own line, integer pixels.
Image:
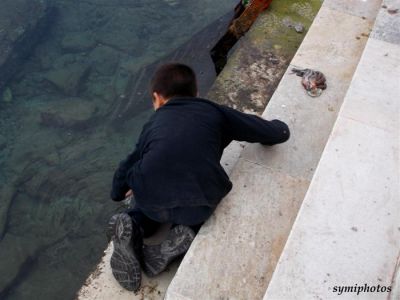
[{"x": 255, "y": 69}]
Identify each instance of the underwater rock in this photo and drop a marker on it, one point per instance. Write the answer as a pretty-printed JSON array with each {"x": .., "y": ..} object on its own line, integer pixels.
[
  {"x": 114, "y": 31},
  {"x": 63, "y": 215},
  {"x": 172, "y": 2},
  {"x": 7, "y": 95},
  {"x": 14, "y": 261},
  {"x": 7, "y": 195},
  {"x": 121, "y": 81},
  {"x": 3, "y": 142},
  {"x": 101, "y": 88},
  {"x": 104, "y": 59},
  {"x": 195, "y": 53},
  {"x": 78, "y": 42},
  {"x": 70, "y": 80},
  {"x": 125, "y": 41},
  {"x": 22, "y": 24},
  {"x": 69, "y": 113},
  {"x": 51, "y": 120}
]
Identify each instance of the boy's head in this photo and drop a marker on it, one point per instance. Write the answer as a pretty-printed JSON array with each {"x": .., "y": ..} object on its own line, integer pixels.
[{"x": 172, "y": 80}]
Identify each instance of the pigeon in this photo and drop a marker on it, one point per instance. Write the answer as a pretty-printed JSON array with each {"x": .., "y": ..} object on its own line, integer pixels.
[{"x": 313, "y": 81}]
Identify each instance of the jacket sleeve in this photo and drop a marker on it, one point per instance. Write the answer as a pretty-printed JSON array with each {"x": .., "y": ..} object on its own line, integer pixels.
[
  {"x": 119, "y": 185},
  {"x": 253, "y": 129}
]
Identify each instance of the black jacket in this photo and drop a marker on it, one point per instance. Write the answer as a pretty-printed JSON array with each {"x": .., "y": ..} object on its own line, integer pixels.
[{"x": 176, "y": 162}]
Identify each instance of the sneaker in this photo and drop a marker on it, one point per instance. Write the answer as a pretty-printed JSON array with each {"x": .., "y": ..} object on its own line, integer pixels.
[
  {"x": 158, "y": 257},
  {"x": 124, "y": 261}
]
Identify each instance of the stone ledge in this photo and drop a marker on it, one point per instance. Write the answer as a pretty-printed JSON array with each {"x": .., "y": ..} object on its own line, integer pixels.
[
  {"x": 351, "y": 208},
  {"x": 231, "y": 259}
]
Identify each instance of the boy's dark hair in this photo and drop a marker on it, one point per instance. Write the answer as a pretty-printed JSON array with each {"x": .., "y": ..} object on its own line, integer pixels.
[{"x": 174, "y": 80}]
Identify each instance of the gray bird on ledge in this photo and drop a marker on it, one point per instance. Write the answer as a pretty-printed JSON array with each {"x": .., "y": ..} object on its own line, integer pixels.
[{"x": 313, "y": 81}]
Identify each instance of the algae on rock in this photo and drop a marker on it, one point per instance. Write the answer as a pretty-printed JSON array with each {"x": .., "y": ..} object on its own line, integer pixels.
[{"x": 252, "y": 75}]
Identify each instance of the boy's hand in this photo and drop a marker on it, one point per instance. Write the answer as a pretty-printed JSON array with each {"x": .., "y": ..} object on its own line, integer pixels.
[{"x": 129, "y": 193}]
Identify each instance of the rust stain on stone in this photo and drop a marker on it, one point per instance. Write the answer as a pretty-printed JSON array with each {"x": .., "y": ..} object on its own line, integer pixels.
[{"x": 243, "y": 23}]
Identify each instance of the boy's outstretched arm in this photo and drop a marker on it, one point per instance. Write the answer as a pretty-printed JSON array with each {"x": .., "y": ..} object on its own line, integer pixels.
[
  {"x": 120, "y": 186},
  {"x": 120, "y": 183},
  {"x": 253, "y": 129}
]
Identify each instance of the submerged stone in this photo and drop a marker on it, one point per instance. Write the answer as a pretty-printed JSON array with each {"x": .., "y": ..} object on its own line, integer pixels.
[
  {"x": 104, "y": 59},
  {"x": 14, "y": 261},
  {"x": 70, "y": 79},
  {"x": 3, "y": 142},
  {"x": 195, "y": 52},
  {"x": 7, "y": 95},
  {"x": 22, "y": 24},
  {"x": 70, "y": 113},
  {"x": 78, "y": 42}
]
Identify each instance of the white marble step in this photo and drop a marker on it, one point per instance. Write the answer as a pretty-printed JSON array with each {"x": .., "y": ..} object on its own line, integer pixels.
[
  {"x": 347, "y": 232},
  {"x": 236, "y": 251}
]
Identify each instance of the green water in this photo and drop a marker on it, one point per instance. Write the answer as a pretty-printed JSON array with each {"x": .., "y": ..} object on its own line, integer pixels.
[{"x": 56, "y": 169}]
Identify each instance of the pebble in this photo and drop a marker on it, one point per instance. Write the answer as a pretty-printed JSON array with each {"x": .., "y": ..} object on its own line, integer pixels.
[{"x": 299, "y": 28}]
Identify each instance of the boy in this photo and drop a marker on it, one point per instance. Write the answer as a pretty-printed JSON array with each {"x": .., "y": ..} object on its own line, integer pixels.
[{"x": 175, "y": 172}]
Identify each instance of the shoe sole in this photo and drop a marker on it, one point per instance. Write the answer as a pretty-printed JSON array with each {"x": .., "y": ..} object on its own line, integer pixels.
[
  {"x": 158, "y": 257},
  {"x": 124, "y": 264}
]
